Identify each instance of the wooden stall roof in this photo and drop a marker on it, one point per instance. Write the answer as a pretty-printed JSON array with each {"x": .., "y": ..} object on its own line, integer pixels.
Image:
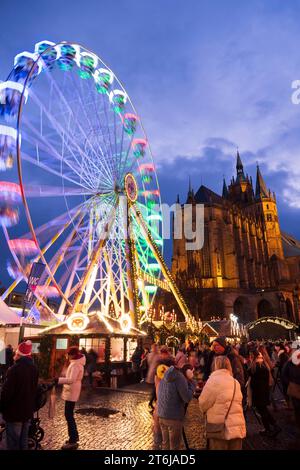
[{"x": 96, "y": 326}]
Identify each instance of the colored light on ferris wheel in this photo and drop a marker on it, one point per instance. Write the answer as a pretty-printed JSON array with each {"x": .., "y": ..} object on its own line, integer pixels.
[
  {"x": 139, "y": 147},
  {"x": 26, "y": 60},
  {"x": 47, "y": 291},
  {"x": 48, "y": 52},
  {"x": 67, "y": 56},
  {"x": 13, "y": 270},
  {"x": 154, "y": 217},
  {"x": 23, "y": 246},
  {"x": 149, "y": 193},
  {"x": 129, "y": 122},
  {"x": 87, "y": 63},
  {"x": 9, "y": 216},
  {"x": 118, "y": 99},
  {"x": 8, "y": 87},
  {"x": 146, "y": 167},
  {"x": 10, "y": 192},
  {"x": 103, "y": 80}
]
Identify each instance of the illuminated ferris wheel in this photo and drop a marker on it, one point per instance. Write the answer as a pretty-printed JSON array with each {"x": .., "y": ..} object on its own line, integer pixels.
[{"x": 80, "y": 192}]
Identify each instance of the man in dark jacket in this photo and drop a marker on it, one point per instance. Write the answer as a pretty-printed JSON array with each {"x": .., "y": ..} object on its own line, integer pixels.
[
  {"x": 18, "y": 397},
  {"x": 220, "y": 348},
  {"x": 174, "y": 392}
]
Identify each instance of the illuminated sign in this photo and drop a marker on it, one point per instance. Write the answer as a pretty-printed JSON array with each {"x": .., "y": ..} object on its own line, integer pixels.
[
  {"x": 77, "y": 322},
  {"x": 125, "y": 322}
]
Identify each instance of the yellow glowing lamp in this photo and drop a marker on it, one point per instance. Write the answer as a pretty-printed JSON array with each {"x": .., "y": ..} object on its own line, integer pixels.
[
  {"x": 125, "y": 322},
  {"x": 77, "y": 322}
]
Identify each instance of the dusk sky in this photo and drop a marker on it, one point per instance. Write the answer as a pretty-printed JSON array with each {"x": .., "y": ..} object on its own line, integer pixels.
[{"x": 205, "y": 77}]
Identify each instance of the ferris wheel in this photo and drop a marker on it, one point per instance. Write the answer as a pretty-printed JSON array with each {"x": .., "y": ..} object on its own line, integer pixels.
[{"x": 80, "y": 192}]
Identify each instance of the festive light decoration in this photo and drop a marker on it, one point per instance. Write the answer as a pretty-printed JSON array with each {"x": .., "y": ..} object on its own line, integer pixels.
[
  {"x": 125, "y": 322},
  {"x": 77, "y": 322}
]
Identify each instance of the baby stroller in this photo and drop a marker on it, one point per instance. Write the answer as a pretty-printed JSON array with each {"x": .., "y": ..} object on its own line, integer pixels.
[{"x": 36, "y": 432}]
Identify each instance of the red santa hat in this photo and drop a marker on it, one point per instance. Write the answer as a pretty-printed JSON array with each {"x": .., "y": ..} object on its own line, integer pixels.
[{"x": 25, "y": 348}]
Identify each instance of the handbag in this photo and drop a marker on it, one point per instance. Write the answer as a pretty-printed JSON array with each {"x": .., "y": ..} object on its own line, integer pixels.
[
  {"x": 217, "y": 430},
  {"x": 294, "y": 390}
]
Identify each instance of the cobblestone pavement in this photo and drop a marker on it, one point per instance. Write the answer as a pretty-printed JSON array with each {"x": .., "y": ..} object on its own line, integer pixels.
[{"x": 131, "y": 427}]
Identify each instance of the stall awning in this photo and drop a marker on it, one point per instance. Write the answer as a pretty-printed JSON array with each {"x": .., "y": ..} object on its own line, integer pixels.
[
  {"x": 97, "y": 324},
  {"x": 7, "y": 315}
]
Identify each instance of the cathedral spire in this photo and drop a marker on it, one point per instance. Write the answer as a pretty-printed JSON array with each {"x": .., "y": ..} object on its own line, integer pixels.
[
  {"x": 190, "y": 196},
  {"x": 240, "y": 175},
  {"x": 261, "y": 189},
  {"x": 225, "y": 189}
]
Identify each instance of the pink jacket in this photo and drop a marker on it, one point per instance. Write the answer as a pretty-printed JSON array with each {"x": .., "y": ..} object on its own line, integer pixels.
[{"x": 72, "y": 381}]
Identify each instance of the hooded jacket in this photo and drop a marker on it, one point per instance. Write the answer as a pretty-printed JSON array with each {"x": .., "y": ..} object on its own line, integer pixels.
[
  {"x": 215, "y": 401},
  {"x": 174, "y": 391},
  {"x": 72, "y": 381}
]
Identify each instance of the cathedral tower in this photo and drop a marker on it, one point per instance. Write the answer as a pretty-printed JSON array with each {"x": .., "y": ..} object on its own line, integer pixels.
[{"x": 266, "y": 207}]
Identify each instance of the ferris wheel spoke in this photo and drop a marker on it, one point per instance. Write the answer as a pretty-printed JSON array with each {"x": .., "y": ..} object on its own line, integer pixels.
[
  {"x": 62, "y": 132},
  {"x": 46, "y": 146},
  {"x": 59, "y": 223},
  {"x": 47, "y": 168},
  {"x": 96, "y": 153},
  {"x": 100, "y": 127},
  {"x": 57, "y": 89},
  {"x": 122, "y": 166},
  {"x": 113, "y": 154},
  {"x": 54, "y": 191}
]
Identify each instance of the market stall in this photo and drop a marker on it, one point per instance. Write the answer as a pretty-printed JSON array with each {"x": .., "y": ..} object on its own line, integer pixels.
[{"x": 114, "y": 342}]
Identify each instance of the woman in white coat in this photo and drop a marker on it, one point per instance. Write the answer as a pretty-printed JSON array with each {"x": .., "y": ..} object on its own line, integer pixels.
[
  {"x": 221, "y": 400},
  {"x": 71, "y": 392}
]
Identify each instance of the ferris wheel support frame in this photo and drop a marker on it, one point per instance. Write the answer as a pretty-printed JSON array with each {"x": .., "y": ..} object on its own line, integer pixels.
[
  {"x": 165, "y": 270},
  {"x": 93, "y": 262}
]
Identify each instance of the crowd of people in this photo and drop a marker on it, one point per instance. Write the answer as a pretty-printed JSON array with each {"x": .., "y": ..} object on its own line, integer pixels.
[{"x": 225, "y": 378}]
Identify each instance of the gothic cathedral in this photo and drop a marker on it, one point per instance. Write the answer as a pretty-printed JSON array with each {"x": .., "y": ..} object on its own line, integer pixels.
[{"x": 247, "y": 265}]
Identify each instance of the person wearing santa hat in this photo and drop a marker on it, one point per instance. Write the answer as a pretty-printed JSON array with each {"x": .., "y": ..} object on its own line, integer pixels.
[{"x": 17, "y": 400}]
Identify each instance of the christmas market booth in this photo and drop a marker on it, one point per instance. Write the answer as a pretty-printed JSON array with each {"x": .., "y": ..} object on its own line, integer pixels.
[
  {"x": 273, "y": 328},
  {"x": 10, "y": 327},
  {"x": 113, "y": 340},
  {"x": 230, "y": 327}
]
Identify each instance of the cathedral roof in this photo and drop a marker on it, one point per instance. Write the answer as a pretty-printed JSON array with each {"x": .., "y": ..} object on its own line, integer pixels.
[
  {"x": 291, "y": 246},
  {"x": 206, "y": 195}
]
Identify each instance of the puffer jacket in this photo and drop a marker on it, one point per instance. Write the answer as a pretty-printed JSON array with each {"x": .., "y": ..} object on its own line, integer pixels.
[
  {"x": 174, "y": 391},
  {"x": 72, "y": 381},
  {"x": 215, "y": 400}
]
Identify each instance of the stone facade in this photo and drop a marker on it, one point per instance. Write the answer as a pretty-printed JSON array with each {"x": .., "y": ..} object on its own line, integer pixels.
[{"x": 247, "y": 265}]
